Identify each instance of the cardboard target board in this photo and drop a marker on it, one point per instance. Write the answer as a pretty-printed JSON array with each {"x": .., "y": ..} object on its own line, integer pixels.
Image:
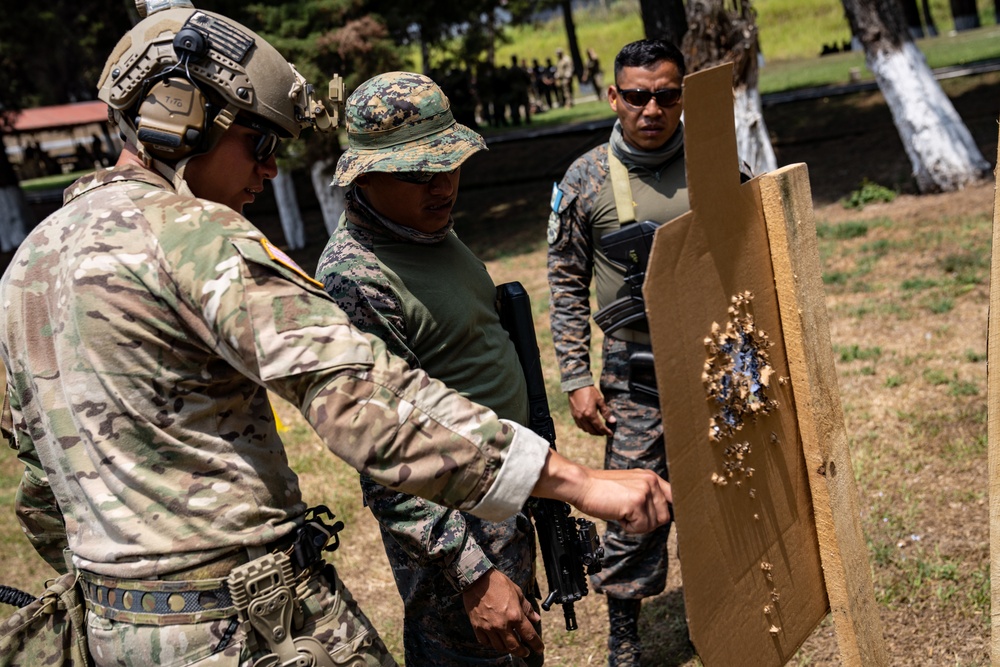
[
  {"x": 764, "y": 496},
  {"x": 993, "y": 422}
]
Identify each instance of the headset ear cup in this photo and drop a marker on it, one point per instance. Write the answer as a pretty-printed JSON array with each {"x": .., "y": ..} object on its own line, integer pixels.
[{"x": 171, "y": 119}]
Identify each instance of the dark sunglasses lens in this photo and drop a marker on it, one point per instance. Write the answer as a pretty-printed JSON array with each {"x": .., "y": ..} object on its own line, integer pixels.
[
  {"x": 267, "y": 146},
  {"x": 416, "y": 177},
  {"x": 668, "y": 97},
  {"x": 637, "y": 98}
]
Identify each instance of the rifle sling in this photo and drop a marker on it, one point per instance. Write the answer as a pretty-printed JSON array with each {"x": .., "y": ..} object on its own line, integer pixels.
[{"x": 622, "y": 189}]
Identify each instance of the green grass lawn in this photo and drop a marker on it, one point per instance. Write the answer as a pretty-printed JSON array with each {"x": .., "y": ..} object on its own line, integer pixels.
[
  {"x": 792, "y": 34},
  {"x": 54, "y": 182}
]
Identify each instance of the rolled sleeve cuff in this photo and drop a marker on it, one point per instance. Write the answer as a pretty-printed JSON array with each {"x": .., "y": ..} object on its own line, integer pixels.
[
  {"x": 520, "y": 470},
  {"x": 579, "y": 382},
  {"x": 470, "y": 566}
]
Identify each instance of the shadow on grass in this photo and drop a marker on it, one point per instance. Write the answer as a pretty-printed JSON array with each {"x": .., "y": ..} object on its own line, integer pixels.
[
  {"x": 503, "y": 221},
  {"x": 664, "y": 632}
]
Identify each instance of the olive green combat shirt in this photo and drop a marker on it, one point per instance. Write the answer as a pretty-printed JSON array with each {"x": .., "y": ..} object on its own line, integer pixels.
[
  {"x": 434, "y": 304},
  {"x": 141, "y": 329}
]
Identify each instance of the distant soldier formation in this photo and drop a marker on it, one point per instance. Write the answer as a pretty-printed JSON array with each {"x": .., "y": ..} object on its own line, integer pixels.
[
  {"x": 483, "y": 94},
  {"x": 510, "y": 94}
]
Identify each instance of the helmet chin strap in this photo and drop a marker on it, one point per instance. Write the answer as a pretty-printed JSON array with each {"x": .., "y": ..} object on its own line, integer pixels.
[{"x": 175, "y": 174}]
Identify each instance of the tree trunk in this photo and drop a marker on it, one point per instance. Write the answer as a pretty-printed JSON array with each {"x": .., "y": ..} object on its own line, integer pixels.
[
  {"x": 15, "y": 216},
  {"x": 574, "y": 46},
  {"x": 425, "y": 55},
  {"x": 332, "y": 203},
  {"x": 912, "y": 15},
  {"x": 288, "y": 211},
  {"x": 716, "y": 35},
  {"x": 941, "y": 150},
  {"x": 753, "y": 144},
  {"x": 932, "y": 30},
  {"x": 965, "y": 13},
  {"x": 665, "y": 19}
]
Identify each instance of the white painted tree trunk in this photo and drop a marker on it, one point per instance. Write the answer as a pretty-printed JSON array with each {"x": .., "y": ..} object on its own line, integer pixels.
[
  {"x": 332, "y": 202},
  {"x": 288, "y": 211},
  {"x": 753, "y": 144},
  {"x": 942, "y": 152},
  {"x": 14, "y": 215}
]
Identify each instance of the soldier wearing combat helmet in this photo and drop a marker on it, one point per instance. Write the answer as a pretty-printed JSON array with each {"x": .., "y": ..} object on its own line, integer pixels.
[
  {"x": 144, "y": 325},
  {"x": 468, "y": 586}
]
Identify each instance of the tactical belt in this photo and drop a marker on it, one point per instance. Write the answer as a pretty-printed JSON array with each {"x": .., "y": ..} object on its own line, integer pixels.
[
  {"x": 204, "y": 594},
  {"x": 156, "y": 602}
]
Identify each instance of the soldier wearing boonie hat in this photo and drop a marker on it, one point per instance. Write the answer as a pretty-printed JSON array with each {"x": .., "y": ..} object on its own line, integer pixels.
[
  {"x": 402, "y": 122},
  {"x": 452, "y": 570}
]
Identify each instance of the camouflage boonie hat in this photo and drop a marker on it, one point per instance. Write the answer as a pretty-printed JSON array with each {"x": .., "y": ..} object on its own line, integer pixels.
[{"x": 402, "y": 121}]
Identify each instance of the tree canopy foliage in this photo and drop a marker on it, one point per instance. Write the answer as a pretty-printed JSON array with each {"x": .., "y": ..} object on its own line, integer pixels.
[{"x": 54, "y": 52}]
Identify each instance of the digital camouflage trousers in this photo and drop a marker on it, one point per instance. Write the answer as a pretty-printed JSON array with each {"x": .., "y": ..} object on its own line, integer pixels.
[{"x": 635, "y": 566}]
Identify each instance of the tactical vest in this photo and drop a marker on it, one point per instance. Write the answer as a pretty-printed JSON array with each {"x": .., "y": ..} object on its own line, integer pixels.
[{"x": 626, "y": 196}]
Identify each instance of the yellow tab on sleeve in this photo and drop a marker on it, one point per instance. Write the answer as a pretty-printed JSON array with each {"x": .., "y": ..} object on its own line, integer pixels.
[{"x": 279, "y": 255}]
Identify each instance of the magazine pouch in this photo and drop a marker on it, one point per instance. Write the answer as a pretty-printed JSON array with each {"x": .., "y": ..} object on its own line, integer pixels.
[{"x": 48, "y": 631}]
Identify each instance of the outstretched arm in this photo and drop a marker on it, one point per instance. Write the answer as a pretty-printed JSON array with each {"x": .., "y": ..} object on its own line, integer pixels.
[{"x": 638, "y": 499}]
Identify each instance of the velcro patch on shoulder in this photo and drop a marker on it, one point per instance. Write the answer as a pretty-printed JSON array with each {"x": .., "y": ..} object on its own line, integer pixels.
[
  {"x": 557, "y": 196},
  {"x": 559, "y": 202},
  {"x": 279, "y": 256}
]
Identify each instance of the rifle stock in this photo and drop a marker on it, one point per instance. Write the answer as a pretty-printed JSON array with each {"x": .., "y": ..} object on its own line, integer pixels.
[{"x": 570, "y": 546}]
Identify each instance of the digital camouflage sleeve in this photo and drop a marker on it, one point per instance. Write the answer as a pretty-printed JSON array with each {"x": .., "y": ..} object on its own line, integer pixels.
[{"x": 571, "y": 265}]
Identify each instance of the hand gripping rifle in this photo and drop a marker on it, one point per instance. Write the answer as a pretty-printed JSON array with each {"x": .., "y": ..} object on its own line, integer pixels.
[{"x": 570, "y": 546}]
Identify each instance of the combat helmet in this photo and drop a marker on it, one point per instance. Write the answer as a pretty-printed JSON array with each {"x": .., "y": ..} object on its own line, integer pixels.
[{"x": 178, "y": 79}]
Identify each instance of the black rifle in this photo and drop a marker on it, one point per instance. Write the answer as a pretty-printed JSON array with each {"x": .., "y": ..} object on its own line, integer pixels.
[
  {"x": 570, "y": 546},
  {"x": 629, "y": 248}
]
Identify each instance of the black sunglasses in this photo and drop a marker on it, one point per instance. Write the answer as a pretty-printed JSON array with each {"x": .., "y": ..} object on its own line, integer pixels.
[
  {"x": 268, "y": 142},
  {"x": 637, "y": 97},
  {"x": 415, "y": 177}
]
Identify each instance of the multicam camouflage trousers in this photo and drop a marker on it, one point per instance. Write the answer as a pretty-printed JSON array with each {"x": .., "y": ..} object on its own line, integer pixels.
[
  {"x": 330, "y": 615},
  {"x": 635, "y": 566}
]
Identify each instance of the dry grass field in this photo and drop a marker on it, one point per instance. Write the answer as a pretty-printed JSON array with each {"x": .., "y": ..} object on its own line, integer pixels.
[{"x": 907, "y": 289}]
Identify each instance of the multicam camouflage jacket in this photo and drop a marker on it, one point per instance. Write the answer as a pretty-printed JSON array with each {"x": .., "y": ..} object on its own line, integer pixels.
[
  {"x": 386, "y": 284},
  {"x": 141, "y": 331},
  {"x": 582, "y": 209}
]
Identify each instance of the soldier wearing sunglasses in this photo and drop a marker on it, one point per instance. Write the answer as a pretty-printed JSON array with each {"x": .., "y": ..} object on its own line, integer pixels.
[
  {"x": 637, "y": 176},
  {"x": 397, "y": 268}
]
